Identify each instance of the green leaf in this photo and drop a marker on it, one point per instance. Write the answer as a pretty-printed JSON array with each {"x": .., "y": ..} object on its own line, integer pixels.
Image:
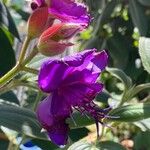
[
  {"x": 77, "y": 134},
  {"x": 145, "y": 2},
  {"x": 126, "y": 80},
  {"x": 78, "y": 120},
  {"x": 7, "y": 55},
  {"x": 103, "y": 97},
  {"x": 143, "y": 124},
  {"x": 142, "y": 141},
  {"x": 21, "y": 120},
  {"x": 107, "y": 145},
  {"x": 138, "y": 16},
  {"x": 105, "y": 16},
  {"x": 4, "y": 142},
  {"x": 10, "y": 96},
  {"x": 144, "y": 51},
  {"x": 139, "y": 88},
  {"x": 119, "y": 50},
  {"x": 7, "y": 20},
  {"x": 44, "y": 145},
  {"x": 131, "y": 113}
]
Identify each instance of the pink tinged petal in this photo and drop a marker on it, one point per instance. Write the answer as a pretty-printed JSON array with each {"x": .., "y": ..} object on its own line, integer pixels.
[
  {"x": 59, "y": 133},
  {"x": 50, "y": 32},
  {"x": 37, "y": 22},
  {"x": 69, "y": 30},
  {"x": 52, "y": 48}
]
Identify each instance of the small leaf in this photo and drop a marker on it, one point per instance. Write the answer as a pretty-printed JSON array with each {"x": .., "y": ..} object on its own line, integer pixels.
[
  {"x": 145, "y": 2},
  {"x": 131, "y": 113},
  {"x": 78, "y": 120},
  {"x": 106, "y": 14},
  {"x": 144, "y": 51},
  {"x": 126, "y": 80},
  {"x": 107, "y": 145},
  {"x": 21, "y": 120},
  {"x": 140, "y": 88},
  {"x": 142, "y": 141},
  {"x": 119, "y": 50},
  {"x": 44, "y": 145},
  {"x": 138, "y": 16},
  {"x": 7, "y": 20},
  {"x": 6, "y": 51},
  {"x": 143, "y": 124},
  {"x": 10, "y": 96},
  {"x": 77, "y": 134}
]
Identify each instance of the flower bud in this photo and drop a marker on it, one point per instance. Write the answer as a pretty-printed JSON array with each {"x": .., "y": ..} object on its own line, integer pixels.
[
  {"x": 68, "y": 30},
  {"x": 50, "y": 44},
  {"x": 52, "y": 48},
  {"x": 37, "y": 22}
]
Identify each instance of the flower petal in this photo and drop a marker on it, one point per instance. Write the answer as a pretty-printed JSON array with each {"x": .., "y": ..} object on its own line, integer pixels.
[
  {"x": 79, "y": 93},
  {"x": 100, "y": 60},
  {"x": 43, "y": 113},
  {"x": 59, "y": 106},
  {"x": 79, "y": 58},
  {"x": 53, "y": 73},
  {"x": 69, "y": 11},
  {"x": 59, "y": 133}
]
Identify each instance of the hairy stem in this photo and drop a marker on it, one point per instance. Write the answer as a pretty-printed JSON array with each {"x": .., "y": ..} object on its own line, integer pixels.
[
  {"x": 24, "y": 49},
  {"x": 30, "y": 70}
]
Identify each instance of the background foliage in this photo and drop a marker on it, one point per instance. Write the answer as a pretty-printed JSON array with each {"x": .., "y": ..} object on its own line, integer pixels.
[{"x": 117, "y": 26}]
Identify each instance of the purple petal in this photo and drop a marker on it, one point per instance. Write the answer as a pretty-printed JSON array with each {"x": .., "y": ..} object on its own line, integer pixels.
[
  {"x": 78, "y": 59},
  {"x": 100, "y": 60},
  {"x": 78, "y": 93},
  {"x": 59, "y": 106},
  {"x": 59, "y": 133},
  {"x": 43, "y": 113},
  {"x": 52, "y": 73},
  {"x": 69, "y": 11}
]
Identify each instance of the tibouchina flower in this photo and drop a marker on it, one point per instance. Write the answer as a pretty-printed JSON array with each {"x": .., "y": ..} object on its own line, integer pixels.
[
  {"x": 65, "y": 10},
  {"x": 71, "y": 83}
]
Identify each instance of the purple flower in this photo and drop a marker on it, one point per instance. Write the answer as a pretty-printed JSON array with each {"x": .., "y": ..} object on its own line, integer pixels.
[
  {"x": 65, "y": 10},
  {"x": 72, "y": 83}
]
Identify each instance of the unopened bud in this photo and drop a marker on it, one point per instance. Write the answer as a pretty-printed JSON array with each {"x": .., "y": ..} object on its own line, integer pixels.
[
  {"x": 68, "y": 31},
  {"x": 37, "y": 22},
  {"x": 50, "y": 42},
  {"x": 52, "y": 48}
]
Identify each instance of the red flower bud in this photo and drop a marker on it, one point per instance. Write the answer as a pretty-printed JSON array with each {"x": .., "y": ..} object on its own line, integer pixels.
[
  {"x": 68, "y": 30},
  {"x": 50, "y": 43},
  {"x": 37, "y": 22}
]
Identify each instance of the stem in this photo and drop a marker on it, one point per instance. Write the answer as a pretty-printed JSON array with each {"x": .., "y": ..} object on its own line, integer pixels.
[
  {"x": 23, "y": 138},
  {"x": 8, "y": 76},
  {"x": 30, "y": 70},
  {"x": 29, "y": 58},
  {"x": 38, "y": 98},
  {"x": 24, "y": 49},
  {"x": 16, "y": 83}
]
